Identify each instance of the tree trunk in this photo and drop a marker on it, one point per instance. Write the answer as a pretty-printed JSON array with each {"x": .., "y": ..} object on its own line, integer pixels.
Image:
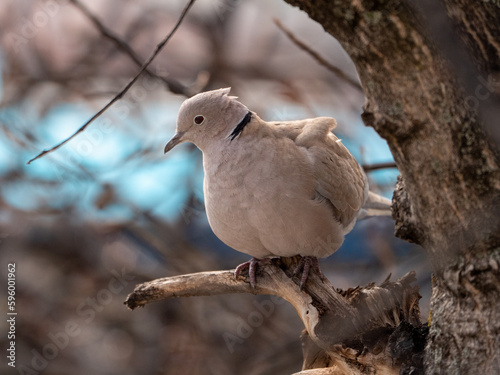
[{"x": 443, "y": 138}]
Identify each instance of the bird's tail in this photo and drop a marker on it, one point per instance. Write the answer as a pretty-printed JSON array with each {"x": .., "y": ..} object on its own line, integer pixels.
[{"x": 375, "y": 205}]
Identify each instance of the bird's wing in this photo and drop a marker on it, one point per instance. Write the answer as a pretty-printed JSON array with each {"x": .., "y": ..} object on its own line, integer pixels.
[
  {"x": 339, "y": 177},
  {"x": 289, "y": 129}
]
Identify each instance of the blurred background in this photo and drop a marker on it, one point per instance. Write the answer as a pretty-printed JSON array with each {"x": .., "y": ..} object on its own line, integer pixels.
[{"x": 108, "y": 210}]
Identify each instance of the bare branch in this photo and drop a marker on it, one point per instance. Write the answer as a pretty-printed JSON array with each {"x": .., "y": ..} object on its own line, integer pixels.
[
  {"x": 157, "y": 50},
  {"x": 377, "y": 166},
  {"x": 172, "y": 84},
  {"x": 209, "y": 283},
  {"x": 272, "y": 280},
  {"x": 316, "y": 56},
  {"x": 329, "y": 316}
]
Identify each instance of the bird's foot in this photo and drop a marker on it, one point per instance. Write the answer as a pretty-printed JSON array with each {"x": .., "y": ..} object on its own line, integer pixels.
[
  {"x": 252, "y": 267},
  {"x": 305, "y": 265}
]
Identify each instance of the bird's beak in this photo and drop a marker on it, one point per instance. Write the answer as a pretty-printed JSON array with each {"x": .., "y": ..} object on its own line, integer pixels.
[{"x": 176, "y": 139}]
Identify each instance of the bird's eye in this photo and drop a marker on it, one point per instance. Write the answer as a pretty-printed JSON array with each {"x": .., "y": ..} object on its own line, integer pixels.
[{"x": 198, "y": 120}]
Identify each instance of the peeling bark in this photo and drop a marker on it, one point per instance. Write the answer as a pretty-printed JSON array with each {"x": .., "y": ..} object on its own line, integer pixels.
[{"x": 448, "y": 199}]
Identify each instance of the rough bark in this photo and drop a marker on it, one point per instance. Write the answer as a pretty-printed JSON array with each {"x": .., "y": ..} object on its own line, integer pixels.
[{"x": 448, "y": 198}]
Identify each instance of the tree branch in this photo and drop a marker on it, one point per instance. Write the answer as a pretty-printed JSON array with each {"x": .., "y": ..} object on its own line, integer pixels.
[
  {"x": 316, "y": 56},
  {"x": 377, "y": 166},
  {"x": 157, "y": 50},
  {"x": 330, "y": 316},
  {"x": 272, "y": 280},
  {"x": 173, "y": 85}
]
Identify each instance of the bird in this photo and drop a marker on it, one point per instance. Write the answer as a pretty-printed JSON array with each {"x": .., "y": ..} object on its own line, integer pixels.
[{"x": 278, "y": 188}]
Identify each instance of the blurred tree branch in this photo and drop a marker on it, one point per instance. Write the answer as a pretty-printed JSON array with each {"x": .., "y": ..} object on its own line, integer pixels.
[
  {"x": 173, "y": 85},
  {"x": 377, "y": 166},
  {"x": 316, "y": 56},
  {"x": 143, "y": 68}
]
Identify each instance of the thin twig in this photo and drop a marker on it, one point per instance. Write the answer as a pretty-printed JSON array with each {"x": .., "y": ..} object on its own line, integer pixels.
[
  {"x": 125, "y": 89},
  {"x": 173, "y": 85},
  {"x": 377, "y": 166},
  {"x": 338, "y": 72}
]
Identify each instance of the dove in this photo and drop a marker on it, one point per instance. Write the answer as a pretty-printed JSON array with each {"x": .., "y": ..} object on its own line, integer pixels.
[{"x": 275, "y": 189}]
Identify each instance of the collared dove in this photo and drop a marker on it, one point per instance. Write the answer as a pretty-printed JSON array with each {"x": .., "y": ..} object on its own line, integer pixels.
[{"x": 275, "y": 189}]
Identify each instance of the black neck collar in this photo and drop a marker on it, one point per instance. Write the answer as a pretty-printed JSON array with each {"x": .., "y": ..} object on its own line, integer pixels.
[{"x": 241, "y": 125}]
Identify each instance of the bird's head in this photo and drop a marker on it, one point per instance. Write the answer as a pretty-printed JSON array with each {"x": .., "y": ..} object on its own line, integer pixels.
[{"x": 206, "y": 117}]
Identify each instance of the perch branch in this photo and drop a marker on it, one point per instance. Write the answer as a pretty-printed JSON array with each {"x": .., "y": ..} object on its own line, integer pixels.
[
  {"x": 157, "y": 50},
  {"x": 173, "y": 85},
  {"x": 272, "y": 280},
  {"x": 316, "y": 56},
  {"x": 329, "y": 316}
]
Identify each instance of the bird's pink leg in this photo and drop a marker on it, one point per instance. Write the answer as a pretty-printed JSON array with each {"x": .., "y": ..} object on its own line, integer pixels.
[
  {"x": 305, "y": 265},
  {"x": 252, "y": 267}
]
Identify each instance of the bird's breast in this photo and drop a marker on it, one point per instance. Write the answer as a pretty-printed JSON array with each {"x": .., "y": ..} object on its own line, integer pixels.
[
  {"x": 260, "y": 200},
  {"x": 233, "y": 190}
]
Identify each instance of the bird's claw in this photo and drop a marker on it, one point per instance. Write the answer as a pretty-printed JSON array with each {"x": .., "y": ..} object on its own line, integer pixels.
[
  {"x": 305, "y": 265},
  {"x": 252, "y": 267}
]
